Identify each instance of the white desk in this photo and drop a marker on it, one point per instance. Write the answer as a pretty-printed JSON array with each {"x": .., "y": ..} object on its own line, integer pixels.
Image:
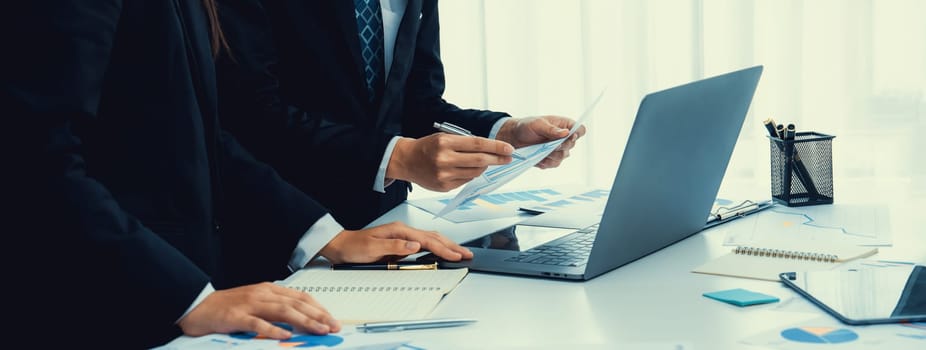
[{"x": 653, "y": 300}]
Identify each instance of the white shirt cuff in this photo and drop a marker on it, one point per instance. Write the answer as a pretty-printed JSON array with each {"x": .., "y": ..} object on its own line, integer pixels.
[
  {"x": 313, "y": 241},
  {"x": 208, "y": 289},
  {"x": 497, "y": 127},
  {"x": 380, "y": 182}
]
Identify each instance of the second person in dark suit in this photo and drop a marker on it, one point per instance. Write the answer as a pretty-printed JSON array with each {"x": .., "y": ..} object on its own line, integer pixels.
[
  {"x": 355, "y": 86},
  {"x": 121, "y": 186}
]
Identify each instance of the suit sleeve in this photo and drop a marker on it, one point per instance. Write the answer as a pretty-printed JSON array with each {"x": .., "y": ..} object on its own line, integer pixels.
[
  {"x": 424, "y": 102},
  {"x": 300, "y": 143},
  {"x": 260, "y": 201},
  {"x": 51, "y": 89}
]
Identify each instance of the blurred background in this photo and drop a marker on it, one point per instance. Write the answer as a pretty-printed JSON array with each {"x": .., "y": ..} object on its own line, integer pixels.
[{"x": 851, "y": 68}]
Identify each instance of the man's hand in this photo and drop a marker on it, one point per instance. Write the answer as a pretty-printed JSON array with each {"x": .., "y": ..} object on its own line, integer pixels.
[
  {"x": 253, "y": 308},
  {"x": 533, "y": 130},
  {"x": 390, "y": 241},
  {"x": 442, "y": 162}
]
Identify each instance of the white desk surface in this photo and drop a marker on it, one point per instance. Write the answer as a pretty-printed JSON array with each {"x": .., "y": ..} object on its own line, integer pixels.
[{"x": 654, "y": 302}]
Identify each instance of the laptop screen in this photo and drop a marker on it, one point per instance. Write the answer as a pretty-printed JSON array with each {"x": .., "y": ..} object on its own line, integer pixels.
[{"x": 518, "y": 238}]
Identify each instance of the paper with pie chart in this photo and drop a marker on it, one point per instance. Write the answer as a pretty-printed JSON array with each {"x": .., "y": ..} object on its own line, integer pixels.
[
  {"x": 349, "y": 339},
  {"x": 498, "y": 175}
]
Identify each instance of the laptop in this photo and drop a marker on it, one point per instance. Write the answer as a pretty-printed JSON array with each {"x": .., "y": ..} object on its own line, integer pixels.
[{"x": 673, "y": 164}]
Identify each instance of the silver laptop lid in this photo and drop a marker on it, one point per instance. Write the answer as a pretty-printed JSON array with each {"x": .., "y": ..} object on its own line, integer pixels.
[{"x": 676, "y": 155}]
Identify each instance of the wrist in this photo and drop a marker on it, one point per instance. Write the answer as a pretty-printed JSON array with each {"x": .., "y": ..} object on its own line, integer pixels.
[
  {"x": 332, "y": 251},
  {"x": 507, "y": 132},
  {"x": 398, "y": 161}
]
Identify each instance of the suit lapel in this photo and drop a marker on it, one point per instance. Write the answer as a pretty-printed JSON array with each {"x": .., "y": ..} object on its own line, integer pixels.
[{"x": 344, "y": 10}]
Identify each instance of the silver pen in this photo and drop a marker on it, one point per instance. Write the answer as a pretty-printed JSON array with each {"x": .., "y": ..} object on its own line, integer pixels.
[
  {"x": 372, "y": 327},
  {"x": 452, "y": 129},
  {"x": 458, "y": 130}
]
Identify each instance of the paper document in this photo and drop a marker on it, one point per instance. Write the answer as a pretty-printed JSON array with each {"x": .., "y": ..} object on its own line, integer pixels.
[
  {"x": 498, "y": 175},
  {"x": 867, "y": 225},
  {"x": 348, "y": 338},
  {"x": 504, "y": 204}
]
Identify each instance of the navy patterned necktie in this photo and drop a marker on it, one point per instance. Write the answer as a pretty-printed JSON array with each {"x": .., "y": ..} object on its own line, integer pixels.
[{"x": 370, "y": 27}]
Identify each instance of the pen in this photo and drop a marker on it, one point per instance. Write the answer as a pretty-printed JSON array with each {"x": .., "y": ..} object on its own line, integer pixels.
[
  {"x": 401, "y": 265},
  {"x": 452, "y": 129},
  {"x": 770, "y": 126},
  {"x": 458, "y": 130},
  {"x": 789, "y": 161},
  {"x": 802, "y": 174},
  {"x": 742, "y": 211},
  {"x": 414, "y": 324},
  {"x": 789, "y": 132}
]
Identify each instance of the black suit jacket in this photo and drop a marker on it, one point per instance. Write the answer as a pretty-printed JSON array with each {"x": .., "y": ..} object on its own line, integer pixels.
[
  {"x": 296, "y": 96},
  {"x": 121, "y": 178}
]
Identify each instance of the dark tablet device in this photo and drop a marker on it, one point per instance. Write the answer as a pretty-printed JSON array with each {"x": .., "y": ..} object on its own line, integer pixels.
[{"x": 865, "y": 295}]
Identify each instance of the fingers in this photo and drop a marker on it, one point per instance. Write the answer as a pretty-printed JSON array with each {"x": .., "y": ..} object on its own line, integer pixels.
[
  {"x": 434, "y": 242},
  {"x": 467, "y": 144},
  {"x": 445, "y": 248},
  {"x": 552, "y": 127},
  {"x": 476, "y": 160},
  {"x": 298, "y": 309},
  {"x": 264, "y": 328},
  {"x": 255, "y": 308},
  {"x": 580, "y": 132},
  {"x": 553, "y": 160}
]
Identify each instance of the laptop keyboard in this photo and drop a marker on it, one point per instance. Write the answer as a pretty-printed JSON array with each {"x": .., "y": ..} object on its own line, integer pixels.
[{"x": 571, "y": 250}]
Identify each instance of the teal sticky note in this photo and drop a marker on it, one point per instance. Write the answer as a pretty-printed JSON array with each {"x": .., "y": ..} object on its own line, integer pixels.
[{"x": 741, "y": 297}]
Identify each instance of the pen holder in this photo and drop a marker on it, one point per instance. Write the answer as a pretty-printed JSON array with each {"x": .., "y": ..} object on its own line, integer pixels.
[{"x": 802, "y": 169}]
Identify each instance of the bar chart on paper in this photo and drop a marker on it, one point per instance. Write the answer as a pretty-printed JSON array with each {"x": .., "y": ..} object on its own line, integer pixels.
[{"x": 508, "y": 204}]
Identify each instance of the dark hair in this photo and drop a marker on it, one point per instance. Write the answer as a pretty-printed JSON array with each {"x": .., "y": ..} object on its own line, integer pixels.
[{"x": 219, "y": 43}]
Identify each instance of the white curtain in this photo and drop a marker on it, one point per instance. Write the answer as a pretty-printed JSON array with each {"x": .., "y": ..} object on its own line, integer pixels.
[{"x": 853, "y": 69}]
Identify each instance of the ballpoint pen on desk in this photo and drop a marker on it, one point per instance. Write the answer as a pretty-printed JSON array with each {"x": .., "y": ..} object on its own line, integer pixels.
[
  {"x": 413, "y": 324},
  {"x": 399, "y": 265},
  {"x": 458, "y": 130},
  {"x": 745, "y": 208}
]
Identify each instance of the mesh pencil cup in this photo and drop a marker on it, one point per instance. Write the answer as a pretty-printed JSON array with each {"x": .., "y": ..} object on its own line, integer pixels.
[{"x": 802, "y": 169}]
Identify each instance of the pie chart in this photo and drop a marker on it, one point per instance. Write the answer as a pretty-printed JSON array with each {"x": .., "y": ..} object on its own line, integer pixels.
[
  {"x": 819, "y": 335},
  {"x": 296, "y": 341}
]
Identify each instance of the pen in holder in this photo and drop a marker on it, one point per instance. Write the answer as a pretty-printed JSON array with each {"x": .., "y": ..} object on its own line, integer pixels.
[{"x": 802, "y": 168}]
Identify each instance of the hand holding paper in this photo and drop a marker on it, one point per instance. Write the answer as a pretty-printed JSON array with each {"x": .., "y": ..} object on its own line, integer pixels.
[{"x": 496, "y": 176}]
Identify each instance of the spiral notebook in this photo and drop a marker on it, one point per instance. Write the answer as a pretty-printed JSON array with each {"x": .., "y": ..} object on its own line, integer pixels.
[
  {"x": 355, "y": 297},
  {"x": 765, "y": 260}
]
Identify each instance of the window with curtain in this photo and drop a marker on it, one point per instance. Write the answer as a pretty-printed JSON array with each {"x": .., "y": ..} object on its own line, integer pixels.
[{"x": 855, "y": 69}]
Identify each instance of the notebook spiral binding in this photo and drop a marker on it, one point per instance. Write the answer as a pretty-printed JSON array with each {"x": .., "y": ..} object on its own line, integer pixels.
[
  {"x": 786, "y": 254},
  {"x": 337, "y": 289}
]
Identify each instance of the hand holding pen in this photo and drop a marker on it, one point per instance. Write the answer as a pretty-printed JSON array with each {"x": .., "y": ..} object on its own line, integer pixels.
[
  {"x": 442, "y": 162},
  {"x": 458, "y": 130}
]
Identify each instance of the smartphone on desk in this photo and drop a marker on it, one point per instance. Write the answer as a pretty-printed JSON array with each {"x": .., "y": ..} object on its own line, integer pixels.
[{"x": 860, "y": 296}]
